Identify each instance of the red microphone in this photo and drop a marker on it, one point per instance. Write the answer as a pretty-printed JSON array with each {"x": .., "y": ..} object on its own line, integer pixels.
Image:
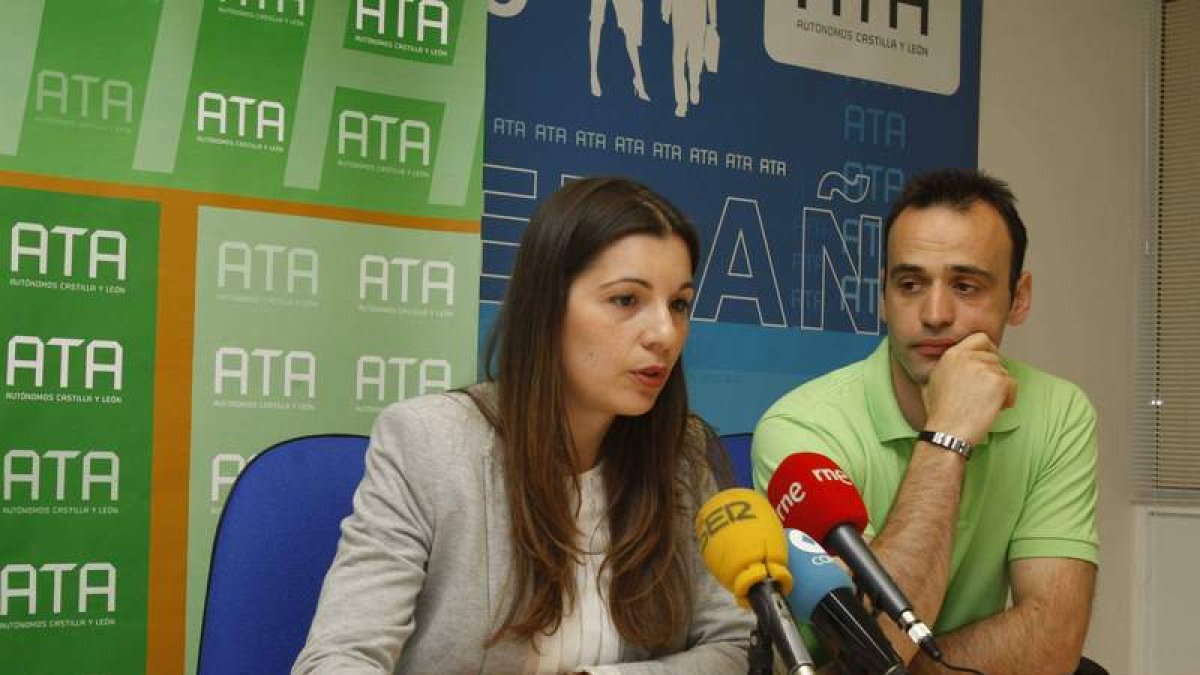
[{"x": 813, "y": 494}]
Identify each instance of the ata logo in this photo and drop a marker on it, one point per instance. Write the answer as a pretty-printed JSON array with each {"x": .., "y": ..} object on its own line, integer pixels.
[
  {"x": 224, "y": 471},
  {"x": 31, "y": 241},
  {"x": 922, "y": 6},
  {"x": 84, "y": 96},
  {"x": 374, "y": 374},
  {"x": 242, "y": 118},
  {"x": 20, "y": 581},
  {"x": 29, "y": 353},
  {"x": 236, "y": 365},
  {"x": 257, "y": 266},
  {"x": 277, "y": 7},
  {"x": 383, "y": 279},
  {"x": 374, "y": 136},
  {"x": 906, "y": 43},
  {"x": 423, "y": 21},
  {"x": 56, "y": 469}
]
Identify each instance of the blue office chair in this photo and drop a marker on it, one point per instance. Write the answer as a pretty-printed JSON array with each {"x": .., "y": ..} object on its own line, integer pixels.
[
  {"x": 737, "y": 446},
  {"x": 274, "y": 543}
]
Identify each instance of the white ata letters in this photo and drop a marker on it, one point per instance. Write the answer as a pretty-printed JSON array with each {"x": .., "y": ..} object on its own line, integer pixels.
[
  {"x": 30, "y": 468},
  {"x": 33, "y": 241},
  {"x": 19, "y": 586}
]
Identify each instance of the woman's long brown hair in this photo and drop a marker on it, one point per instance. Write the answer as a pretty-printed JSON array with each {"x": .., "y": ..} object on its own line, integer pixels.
[{"x": 648, "y": 461}]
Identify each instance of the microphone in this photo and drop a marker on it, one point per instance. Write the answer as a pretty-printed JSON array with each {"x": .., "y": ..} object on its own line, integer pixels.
[
  {"x": 743, "y": 547},
  {"x": 823, "y": 597},
  {"x": 812, "y": 493}
]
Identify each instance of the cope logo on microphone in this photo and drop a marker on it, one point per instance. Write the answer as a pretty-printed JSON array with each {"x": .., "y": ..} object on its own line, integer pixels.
[
  {"x": 805, "y": 543},
  {"x": 722, "y": 517}
]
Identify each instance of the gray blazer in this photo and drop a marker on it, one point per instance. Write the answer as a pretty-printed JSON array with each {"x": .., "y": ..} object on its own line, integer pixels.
[{"x": 419, "y": 580}]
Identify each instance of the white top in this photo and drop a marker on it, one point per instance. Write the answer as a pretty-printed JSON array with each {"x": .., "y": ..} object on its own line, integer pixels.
[{"x": 587, "y": 638}]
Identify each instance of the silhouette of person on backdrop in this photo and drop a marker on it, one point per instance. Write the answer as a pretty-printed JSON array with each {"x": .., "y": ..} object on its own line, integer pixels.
[
  {"x": 692, "y": 21},
  {"x": 629, "y": 19}
]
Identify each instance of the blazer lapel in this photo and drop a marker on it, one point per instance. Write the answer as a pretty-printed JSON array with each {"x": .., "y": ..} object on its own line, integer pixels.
[{"x": 508, "y": 656}]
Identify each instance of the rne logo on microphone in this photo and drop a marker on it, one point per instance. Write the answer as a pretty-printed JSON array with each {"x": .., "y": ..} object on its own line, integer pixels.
[
  {"x": 825, "y": 475},
  {"x": 794, "y": 495},
  {"x": 722, "y": 517}
]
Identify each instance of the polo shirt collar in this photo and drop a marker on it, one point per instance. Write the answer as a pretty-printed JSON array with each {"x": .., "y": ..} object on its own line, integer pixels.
[{"x": 885, "y": 412}]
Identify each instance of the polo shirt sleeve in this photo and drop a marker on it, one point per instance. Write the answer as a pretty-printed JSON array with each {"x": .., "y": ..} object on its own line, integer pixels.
[
  {"x": 1058, "y": 519},
  {"x": 780, "y": 435}
]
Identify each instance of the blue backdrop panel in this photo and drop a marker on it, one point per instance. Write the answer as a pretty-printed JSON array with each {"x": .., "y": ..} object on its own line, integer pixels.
[{"x": 786, "y": 155}]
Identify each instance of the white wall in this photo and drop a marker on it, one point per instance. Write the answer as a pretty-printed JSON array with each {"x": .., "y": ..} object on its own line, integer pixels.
[{"x": 1061, "y": 118}]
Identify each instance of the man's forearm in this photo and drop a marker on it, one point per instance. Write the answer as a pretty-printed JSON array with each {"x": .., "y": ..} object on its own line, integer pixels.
[
  {"x": 916, "y": 541},
  {"x": 1019, "y": 640}
]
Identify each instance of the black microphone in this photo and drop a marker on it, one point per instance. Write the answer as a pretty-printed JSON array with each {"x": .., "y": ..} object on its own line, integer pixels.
[{"x": 823, "y": 597}]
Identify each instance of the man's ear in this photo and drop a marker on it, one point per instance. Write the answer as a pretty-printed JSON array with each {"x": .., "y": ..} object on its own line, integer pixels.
[
  {"x": 1022, "y": 299},
  {"x": 882, "y": 306}
]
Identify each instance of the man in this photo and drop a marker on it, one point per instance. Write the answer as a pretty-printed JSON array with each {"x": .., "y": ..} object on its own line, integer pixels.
[{"x": 1008, "y": 502}]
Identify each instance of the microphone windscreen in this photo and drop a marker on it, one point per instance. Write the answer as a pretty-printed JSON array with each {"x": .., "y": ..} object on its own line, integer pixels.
[
  {"x": 810, "y": 492},
  {"x": 742, "y": 542},
  {"x": 815, "y": 574}
]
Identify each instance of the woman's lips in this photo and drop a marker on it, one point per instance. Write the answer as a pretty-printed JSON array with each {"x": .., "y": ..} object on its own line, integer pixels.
[{"x": 653, "y": 376}]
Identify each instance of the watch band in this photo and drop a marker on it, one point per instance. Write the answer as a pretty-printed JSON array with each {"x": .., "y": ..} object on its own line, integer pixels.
[{"x": 944, "y": 440}]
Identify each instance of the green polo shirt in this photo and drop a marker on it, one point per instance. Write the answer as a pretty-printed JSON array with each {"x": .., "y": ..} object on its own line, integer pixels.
[{"x": 1029, "y": 489}]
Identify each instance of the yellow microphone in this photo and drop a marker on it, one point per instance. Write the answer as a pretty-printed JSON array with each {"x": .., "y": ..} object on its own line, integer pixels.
[
  {"x": 744, "y": 547},
  {"x": 742, "y": 542}
]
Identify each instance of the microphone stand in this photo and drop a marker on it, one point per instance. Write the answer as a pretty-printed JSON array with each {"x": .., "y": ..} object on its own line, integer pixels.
[{"x": 761, "y": 654}]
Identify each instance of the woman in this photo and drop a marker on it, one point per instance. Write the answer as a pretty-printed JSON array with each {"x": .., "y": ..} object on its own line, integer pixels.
[{"x": 541, "y": 522}]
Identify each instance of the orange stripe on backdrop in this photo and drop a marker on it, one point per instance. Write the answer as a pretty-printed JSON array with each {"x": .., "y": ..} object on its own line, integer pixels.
[{"x": 167, "y": 602}]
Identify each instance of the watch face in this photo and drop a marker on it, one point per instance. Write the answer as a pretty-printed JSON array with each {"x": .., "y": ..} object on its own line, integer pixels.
[{"x": 946, "y": 441}]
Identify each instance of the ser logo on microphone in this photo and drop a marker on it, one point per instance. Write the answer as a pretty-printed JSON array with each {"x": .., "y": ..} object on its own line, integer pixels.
[{"x": 722, "y": 517}]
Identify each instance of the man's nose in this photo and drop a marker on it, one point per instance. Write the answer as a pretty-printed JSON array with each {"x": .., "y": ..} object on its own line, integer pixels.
[{"x": 937, "y": 309}]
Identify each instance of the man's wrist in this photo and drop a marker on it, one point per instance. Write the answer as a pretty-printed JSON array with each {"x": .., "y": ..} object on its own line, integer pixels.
[{"x": 947, "y": 441}]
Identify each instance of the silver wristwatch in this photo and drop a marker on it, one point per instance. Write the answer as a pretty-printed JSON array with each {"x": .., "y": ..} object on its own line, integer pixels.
[{"x": 944, "y": 440}]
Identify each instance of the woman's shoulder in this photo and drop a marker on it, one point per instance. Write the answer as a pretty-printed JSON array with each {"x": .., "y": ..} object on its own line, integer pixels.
[
  {"x": 431, "y": 422},
  {"x": 457, "y": 405}
]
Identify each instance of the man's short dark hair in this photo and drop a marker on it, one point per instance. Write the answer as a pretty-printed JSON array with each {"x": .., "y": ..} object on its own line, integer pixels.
[{"x": 959, "y": 189}]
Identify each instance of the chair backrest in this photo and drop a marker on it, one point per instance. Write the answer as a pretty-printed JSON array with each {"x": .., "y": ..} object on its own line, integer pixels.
[
  {"x": 738, "y": 448},
  {"x": 274, "y": 543}
]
